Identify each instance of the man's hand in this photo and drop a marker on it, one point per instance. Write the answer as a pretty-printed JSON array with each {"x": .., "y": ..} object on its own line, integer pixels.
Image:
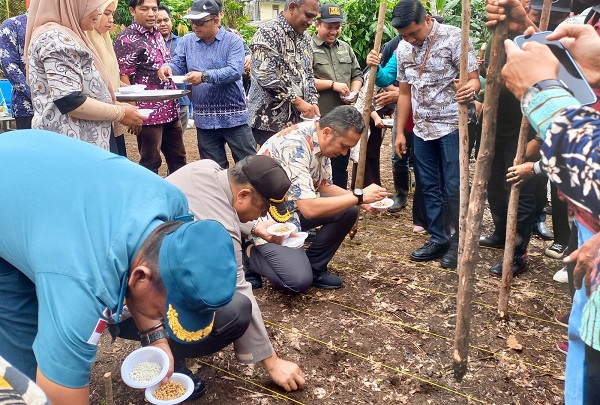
[
  {"x": 261, "y": 231},
  {"x": 464, "y": 94},
  {"x": 164, "y": 345},
  {"x": 519, "y": 173},
  {"x": 585, "y": 257},
  {"x": 164, "y": 73},
  {"x": 373, "y": 58},
  {"x": 194, "y": 78},
  {"x": 247, "y": 63},
  {"x": 284, "y": 373},
  {"x": 386, "y": 97},
  {"x": 528, "y": 66},
  {"x": 373, "y": 193},
  {"x": 583, "y": 44},
  {"x": 500, "y": 10},
  {"x": 341, "y": 88},
  {"x": 400, "y": 143}
]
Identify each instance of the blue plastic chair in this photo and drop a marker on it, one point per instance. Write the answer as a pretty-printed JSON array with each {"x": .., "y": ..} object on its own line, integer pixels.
[{"x": 6, "y": 89}]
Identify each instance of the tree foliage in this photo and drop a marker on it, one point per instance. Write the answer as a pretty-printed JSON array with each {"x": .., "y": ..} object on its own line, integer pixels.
[{"x": 11, "y": 8}]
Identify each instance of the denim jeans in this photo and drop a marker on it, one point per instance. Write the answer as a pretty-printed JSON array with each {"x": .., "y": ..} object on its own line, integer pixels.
[
  {"x": 438, "y": 166},
  {"x": 211, "y": 143}
]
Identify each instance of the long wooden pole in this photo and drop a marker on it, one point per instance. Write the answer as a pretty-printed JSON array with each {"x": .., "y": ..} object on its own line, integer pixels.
[
  {"x": 468, "y": 258},
  {"x": 513, "y": 201}
]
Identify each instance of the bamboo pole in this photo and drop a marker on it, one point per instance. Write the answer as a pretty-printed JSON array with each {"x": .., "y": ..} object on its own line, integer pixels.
[
  {"x": 466, "y": 261},
  {"x": 463, "y": 125},
  {"x": 108, "y": 389},
  {"x": 364, "y": 137},
  {"x": 513, "y": 201}
]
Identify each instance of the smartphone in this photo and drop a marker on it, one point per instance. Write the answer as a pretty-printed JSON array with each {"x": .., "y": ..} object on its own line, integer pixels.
[{"x": 569, "y": 73}]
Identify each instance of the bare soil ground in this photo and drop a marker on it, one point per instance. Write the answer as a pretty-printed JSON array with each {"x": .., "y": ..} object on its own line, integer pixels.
[{"x": 387, "y": 336}]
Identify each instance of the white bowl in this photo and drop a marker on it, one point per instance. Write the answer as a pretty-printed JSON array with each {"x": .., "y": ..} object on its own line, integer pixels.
[
  {"x": 349, "y": 97},
  {"x": 316, "y": 117},
  {"x": 295, "y": 242},
  {"x": 134, "y": 88},
  {"x": 388, "y": 122},
  {"x": 177, "y": 79},
  {"x": 382, "y": 205},
  {"x": 275, "y": 229},
  {"x": 180, "y": 378},
  {"x": 146, "y": 111},
  {"x": 145, "y": 354}
]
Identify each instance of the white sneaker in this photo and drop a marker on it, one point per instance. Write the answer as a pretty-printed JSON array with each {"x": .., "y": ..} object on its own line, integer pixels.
[{"x": 561, "y": 276}]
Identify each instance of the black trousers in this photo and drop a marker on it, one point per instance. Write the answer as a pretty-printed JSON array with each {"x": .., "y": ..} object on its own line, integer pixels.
[{"x": 230, "y": 324}]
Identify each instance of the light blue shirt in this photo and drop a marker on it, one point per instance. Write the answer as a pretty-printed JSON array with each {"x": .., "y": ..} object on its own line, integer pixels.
[{"x": 220, "y": 103}]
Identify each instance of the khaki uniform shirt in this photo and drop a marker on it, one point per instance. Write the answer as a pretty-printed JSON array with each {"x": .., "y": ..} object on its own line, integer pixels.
[{"x": 337, "y": 63}]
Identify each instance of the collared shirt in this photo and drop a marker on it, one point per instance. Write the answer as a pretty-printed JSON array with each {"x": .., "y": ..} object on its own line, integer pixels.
[
  {"x": 281, "y": 71},
  {"x": 435, "y": 112},
  {"x": 337, "y": 63},
  {"x": 172, "y": 44},
  {"x": 220, "y": 103},
  {"x": 297, "y": 150},
  {"x": 12, "y": 41},
  {"x": 141, "y": 53}
]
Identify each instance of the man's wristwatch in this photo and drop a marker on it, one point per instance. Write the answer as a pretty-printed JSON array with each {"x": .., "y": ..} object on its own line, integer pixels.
[
  {"x": 205, "y": 78},
  {"x": 538, "y": 87},
  {"x": 358, "y": 193},
  {"x": 153, "y": 337}
]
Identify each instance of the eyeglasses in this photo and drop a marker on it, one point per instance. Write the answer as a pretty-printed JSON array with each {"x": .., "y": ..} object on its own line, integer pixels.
[{"x": 200, "y": 23}]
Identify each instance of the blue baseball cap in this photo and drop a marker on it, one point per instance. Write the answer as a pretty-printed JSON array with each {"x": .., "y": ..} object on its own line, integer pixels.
[{"x": 199, "y": 271}]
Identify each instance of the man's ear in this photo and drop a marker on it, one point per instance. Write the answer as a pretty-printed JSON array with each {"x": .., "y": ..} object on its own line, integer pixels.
[
  {"x": 132, "y": 11},
  {"x": 327, "y": 131},
  {"x": 139, "y": 275},
  {"x": 244, "y": 193}
]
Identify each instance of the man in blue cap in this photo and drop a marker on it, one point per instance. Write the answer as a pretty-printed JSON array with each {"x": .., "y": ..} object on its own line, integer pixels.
[{"x": 88, "y": 237}]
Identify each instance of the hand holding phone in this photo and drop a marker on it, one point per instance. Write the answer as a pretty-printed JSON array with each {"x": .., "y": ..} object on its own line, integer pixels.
[{"x": 569, "y": 73}]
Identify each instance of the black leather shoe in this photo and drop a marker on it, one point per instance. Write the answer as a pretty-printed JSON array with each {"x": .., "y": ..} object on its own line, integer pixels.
[
  {"x": 519, "y": 266},
  {"x": 399, "y": 203},
  {"x": 429, "y": 251},
  {"x": 199, "y": 386},
  {"x": 493, "y": 241},
  {"x": 450, "y": 259},
  {"x": 541, "y": 230},
  {"x": 327, "y": 281}
]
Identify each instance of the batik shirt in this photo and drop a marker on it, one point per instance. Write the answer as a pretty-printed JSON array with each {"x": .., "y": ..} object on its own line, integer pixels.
[
  {"x": 141, "y": 53},
  {"x": 281, "y": 71},
  {"x": 297, "y": 150},
  {"x": 435, "y": 112},
  {"x": 12, "y": 40}
]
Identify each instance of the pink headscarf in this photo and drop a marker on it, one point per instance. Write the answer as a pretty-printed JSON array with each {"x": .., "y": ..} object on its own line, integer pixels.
[{"x": 64, "y": 15}]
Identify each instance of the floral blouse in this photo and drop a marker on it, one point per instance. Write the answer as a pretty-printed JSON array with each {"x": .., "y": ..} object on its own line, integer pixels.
[
  {"x": 297, "y": 150},
  {"x": 58, "y": 67}
]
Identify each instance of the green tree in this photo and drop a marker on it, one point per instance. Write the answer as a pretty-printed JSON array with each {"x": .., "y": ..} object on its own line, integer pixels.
[{"x": 11, "y": 8}]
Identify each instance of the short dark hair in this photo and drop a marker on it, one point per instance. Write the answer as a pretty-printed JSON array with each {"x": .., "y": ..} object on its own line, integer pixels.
[
  {"x": 135, "y": 3},
  {"x": 150, "y": 250},
  {"x": 342, "y": 119},
  {"x": 239, "y": 178},
  {"x": 166, "y": 9},
  {"x": 406, "y": 12},
  {"x": 296, "y": 2}
]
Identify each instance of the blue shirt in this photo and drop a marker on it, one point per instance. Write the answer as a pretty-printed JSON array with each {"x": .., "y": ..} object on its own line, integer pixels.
[
  {"x": 172, "y": 46},
  {"x": 12, "y": 41},
  {"x": 220, "y": 103},
  {"x": 77, "y": 217}
]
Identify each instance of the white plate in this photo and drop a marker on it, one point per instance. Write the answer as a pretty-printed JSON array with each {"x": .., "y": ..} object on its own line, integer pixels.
[
  {"x": 178, "y": 79},
  {"x": 388, "y": 122},
  {"x": 152, "y": 95},
  {"x": 349, "y": 97},
  {"x": 144, "y": 354},
  {"x": 382, "y": 205},
  {"x": 180, "y": 378},
  {"x": 274, "y": 229},
  {"x": 146, "y": 111},
  {"x": 295, "y": 242},
  {"x": 316, "y": 117},
  {"x": 134, "y": 88}
]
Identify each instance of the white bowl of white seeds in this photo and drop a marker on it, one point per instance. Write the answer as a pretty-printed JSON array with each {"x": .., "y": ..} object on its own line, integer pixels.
[{"x": 145, "y": 367}]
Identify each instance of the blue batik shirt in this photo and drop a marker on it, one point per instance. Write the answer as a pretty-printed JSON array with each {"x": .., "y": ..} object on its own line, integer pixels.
[{"x": 12, "y": 42}]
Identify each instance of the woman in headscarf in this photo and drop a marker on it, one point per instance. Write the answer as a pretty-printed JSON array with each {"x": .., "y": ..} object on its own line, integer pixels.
[
  {"x": 70, "y": 88},
  {"x": 100, "y": 38}
]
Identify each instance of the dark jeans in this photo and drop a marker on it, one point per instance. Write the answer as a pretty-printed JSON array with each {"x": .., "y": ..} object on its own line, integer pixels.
[
  {"x": 230, "y": 324},
  {"x": 339, "y": 170},
  {"x": 499, "y": 193},
  {"x": 261, "y": 136},
  {"x": 121, "y": 148},
  {"x": 592, "y": 358},
  {"x": 560, "y": 217},
  {"x": 435, "y": 160},
  {"x": 23, "y": 122},
  {"x": 211, "y": 143},
  {"x": 166, "y": 138},
  {"x": 372, "y": 163}
]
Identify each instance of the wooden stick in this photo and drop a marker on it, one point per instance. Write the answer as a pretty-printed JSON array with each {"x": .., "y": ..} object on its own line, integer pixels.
[
  {"x": 513, "y": 201},
  {"x": 364, "y": 137},
  {"x": 463, "y": 126},
  {"x": 108, "y": 388},
  {"x": 466, "y": 261}
]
